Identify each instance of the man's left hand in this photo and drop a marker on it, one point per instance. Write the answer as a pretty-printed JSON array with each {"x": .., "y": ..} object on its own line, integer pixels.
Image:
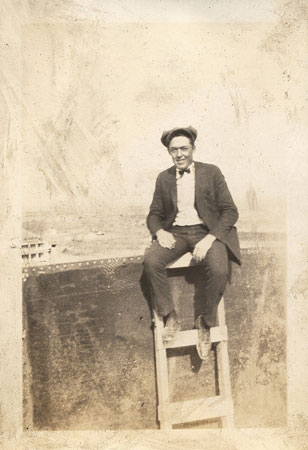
[{"x": 202, "y": 247}]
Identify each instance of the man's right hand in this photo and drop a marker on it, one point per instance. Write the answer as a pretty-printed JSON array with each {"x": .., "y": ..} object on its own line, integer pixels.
[{"x": 165, "y": 239}]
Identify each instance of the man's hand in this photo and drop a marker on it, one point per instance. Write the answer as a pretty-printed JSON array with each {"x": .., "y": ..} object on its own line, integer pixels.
[
  {"x": 202, "y": 247},
  {"x": 165, "y": 239}
]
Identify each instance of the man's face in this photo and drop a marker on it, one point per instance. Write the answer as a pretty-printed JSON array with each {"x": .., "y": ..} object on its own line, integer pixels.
[{"x": 181, "y": 151}]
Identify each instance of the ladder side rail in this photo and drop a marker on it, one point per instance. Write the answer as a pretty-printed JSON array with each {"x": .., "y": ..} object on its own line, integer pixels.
[
  {"x": 224, "y": 368},
  {"x": 162, "y": 376}
]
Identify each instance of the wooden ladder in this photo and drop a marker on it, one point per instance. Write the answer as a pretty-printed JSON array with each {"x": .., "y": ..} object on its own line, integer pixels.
[{"x": 219, "y": 406}]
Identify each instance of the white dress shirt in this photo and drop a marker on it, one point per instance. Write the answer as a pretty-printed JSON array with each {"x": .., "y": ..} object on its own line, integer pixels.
[{"x": 185, "y": 184}]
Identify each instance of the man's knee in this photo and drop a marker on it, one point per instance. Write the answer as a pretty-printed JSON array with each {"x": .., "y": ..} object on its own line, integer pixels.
[
  {"x": 152, "y": 263},
  {"x": 217, "y": 261},
  {"x": 219, "y": 271}
]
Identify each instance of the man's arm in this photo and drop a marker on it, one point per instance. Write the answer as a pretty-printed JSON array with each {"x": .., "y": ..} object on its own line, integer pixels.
[
  {"x": 227, "y": 209},
  {"x": 157, "y": 214},
  {"x": 228, "y": 217}
]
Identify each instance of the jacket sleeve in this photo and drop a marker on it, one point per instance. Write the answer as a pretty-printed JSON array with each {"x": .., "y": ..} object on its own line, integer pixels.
[
  {"x": 156, "y": 215},
  {"x": 226, "y": 207}
]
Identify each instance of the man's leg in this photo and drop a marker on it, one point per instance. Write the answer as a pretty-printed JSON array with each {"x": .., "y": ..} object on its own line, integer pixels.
[
  {"x": 216, "y": 274},
  {"x": 155, "y": 261}
]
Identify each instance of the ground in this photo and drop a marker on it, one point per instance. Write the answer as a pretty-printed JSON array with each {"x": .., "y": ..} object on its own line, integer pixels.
[{"x": 88, "y": 353}]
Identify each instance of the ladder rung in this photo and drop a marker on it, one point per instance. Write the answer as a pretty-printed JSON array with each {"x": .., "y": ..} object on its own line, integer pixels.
[
  {"x": 183, "y": 339},
  {"x": 200, "y": 409},
  {"x": 190, "y": 337}
]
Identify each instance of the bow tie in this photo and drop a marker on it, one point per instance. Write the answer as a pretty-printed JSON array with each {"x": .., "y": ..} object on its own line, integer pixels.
[{"x": 181, "y": 172}]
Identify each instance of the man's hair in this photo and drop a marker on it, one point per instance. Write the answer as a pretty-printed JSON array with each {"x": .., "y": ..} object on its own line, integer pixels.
[{"x": 182, "y": 133}]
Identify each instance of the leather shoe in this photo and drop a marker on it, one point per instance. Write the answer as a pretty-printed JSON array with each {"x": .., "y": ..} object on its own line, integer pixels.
[
  {"x": 204, "y": 339},
  {"x": 172, "y": 327}
]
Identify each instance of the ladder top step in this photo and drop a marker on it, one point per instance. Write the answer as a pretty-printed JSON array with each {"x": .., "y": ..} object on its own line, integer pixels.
[
  {"x": 200, "y": 409},
  {"x": 185, "y": 260}
]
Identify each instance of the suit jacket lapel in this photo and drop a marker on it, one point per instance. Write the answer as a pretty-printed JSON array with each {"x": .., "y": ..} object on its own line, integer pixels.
[
  {"x": 199, "y": 181},
  {"x": 172, "y": 185}
]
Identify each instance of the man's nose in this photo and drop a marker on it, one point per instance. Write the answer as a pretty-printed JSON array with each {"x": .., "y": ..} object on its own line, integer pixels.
[{"x": 178, "y": 152}]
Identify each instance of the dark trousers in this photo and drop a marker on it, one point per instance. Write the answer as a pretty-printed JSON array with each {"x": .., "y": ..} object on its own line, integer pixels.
[{"x": 215, "y": 270}]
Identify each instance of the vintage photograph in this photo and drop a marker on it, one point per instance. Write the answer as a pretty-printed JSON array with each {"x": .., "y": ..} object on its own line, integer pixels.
[
  {"x": 154, "y": 181},
  {"x": 113, "y": 111}
]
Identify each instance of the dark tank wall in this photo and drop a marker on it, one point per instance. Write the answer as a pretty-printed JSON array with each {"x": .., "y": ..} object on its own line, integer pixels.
[{"x": 88, "y": 344}]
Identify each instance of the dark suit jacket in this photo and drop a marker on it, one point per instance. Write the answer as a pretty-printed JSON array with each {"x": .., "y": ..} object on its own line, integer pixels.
[{"x": 213, "y": 202}]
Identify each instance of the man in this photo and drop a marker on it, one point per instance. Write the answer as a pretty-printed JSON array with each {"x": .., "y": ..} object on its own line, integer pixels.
[{"x": 192, "y": 210}]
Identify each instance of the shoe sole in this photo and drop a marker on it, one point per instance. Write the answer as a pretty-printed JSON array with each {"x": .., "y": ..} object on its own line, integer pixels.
[{"x": 203, "y": 355}]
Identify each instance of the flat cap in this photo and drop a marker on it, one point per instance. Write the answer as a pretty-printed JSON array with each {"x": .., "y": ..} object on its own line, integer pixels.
[{"x": 190, "y": 132}]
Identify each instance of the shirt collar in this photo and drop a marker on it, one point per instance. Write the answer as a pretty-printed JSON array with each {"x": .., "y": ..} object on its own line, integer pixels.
[{"x": 191, "y": 167}]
